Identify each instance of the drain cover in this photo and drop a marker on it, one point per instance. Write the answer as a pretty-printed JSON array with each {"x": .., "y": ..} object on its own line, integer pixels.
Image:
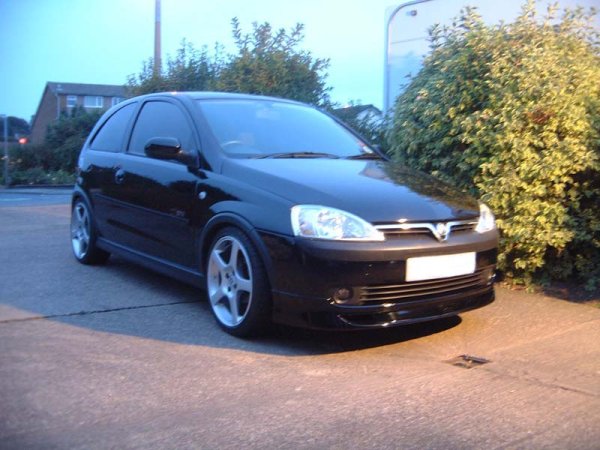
[{"x": 467, "y": 361}]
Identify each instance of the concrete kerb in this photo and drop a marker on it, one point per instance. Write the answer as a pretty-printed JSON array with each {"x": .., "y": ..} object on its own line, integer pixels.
[{"x": 38, "y": 189}]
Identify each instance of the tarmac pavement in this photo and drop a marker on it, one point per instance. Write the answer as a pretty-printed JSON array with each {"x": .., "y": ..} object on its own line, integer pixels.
[{"x": 119, "y": 357}]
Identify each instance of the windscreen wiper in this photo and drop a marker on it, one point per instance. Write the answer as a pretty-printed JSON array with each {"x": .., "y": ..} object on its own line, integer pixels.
[{"x": 298, "y": 155}]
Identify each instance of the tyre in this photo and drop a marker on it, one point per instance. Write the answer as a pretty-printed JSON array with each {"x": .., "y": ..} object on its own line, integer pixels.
[
  {"x": 84, "y": 235},
  {"x": 237, "y": 285}
]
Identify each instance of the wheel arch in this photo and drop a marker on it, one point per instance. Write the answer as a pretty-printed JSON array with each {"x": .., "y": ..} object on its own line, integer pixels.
[
  {"x": 79, "y": 193},
  {"x": 228, "y": 219}
]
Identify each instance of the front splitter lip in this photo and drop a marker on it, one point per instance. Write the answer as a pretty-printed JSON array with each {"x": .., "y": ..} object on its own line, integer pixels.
[
  {"x": 467, "y": 305},
  {"x": 322, "y": 314}
]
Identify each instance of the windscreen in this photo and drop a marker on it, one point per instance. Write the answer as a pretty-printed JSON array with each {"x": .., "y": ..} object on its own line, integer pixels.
[{"x": 262, "y": 128}]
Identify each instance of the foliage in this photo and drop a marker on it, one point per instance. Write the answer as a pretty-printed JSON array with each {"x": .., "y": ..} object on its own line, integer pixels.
[
  {"x": 66, "y": 137},
  {"x": 16, "y": 127},
  {"x": 54, "y": 161},
  {"x": 371, "y": 129},
  {"x": 189, "y": 70},
  {"x": 267, "y": 62},
  {"x": 512, "y": 113},
  {"x": 36, "y": 164},
  {"x": 37, "y": 176}
]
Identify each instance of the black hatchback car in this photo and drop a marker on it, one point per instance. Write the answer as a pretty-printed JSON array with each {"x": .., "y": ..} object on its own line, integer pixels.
[{"x": 280, "y": 212}]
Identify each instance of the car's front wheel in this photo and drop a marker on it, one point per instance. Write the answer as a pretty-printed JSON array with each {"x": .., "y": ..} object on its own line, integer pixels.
[
  {"x": 83, "y": 235},
  {"x": 237, "y": 284}
]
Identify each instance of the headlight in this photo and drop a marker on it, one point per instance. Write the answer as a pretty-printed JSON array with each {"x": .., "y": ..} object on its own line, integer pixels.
[
  {"x": 321, "y": 222},
  {"x": 486, "y": 219}
]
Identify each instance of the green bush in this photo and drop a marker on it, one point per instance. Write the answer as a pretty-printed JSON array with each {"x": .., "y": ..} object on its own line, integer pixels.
[
  {"x": 37, "y": 175},
  {"x": 374, "y": 131},
  {"x": 54, "y": 161},
  {"x": 66, "y": 137},
  {"x": 511, "y": 113},
  {"x": 37, "y": 164}
]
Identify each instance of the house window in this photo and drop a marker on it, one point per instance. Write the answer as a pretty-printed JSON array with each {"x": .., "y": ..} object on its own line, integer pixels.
[
  {"x": 71, "y": 101},
  {"x": 116, "y": 100},
  {"x": 93, "y": 101}
]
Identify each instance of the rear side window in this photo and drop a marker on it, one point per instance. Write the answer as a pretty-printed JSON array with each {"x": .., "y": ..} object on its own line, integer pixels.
[
  {"x": 110, "y": 137},
  {"x": 160, "y": 119}
]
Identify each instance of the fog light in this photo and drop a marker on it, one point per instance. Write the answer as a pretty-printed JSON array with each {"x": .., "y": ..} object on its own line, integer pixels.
[
  {"x": 343, "y": 295},
  {"x": 489, "y": 275}
]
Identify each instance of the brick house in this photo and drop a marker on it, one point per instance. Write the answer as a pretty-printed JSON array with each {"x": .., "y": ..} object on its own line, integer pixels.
[{"x": 61, "y": 98}]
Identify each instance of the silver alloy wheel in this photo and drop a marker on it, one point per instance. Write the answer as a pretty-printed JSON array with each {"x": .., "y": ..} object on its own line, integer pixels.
[
  {"x": 80, "y": 230},
  {"x": 229, "y": 281}
]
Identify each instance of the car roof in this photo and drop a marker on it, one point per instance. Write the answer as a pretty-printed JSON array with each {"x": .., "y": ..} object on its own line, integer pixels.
[{"x": 198, "y": 95}]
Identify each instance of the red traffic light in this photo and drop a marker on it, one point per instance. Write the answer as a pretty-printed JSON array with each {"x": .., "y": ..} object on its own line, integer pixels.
[{"x": 23, "y": 140}]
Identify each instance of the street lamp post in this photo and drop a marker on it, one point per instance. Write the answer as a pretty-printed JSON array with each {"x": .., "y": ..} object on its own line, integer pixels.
[
  {"x": 6, "y": 157},
  {"x": 387, "y": 102},
  {"x": 157, "y": 40}
]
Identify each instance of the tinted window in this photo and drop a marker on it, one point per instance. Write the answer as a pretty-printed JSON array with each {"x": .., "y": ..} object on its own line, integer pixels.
[
  {"x": 110, "y": 136},
  {"x": 258, "y": 127},
  {"x": 160, "y": 119}
]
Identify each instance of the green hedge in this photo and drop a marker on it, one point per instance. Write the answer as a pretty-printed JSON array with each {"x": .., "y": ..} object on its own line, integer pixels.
[
  {"x": 511, "y": 113},
  {"x": 54, "y": 161}
]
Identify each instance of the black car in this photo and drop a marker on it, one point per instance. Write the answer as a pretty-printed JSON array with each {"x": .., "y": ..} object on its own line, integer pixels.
[{"x": 281, "y": 212}]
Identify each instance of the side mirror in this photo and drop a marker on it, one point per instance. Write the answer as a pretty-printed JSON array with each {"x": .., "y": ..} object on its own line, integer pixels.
[
  {"x": 163, "y": 148},
  {"x": 168, "y": 148}
]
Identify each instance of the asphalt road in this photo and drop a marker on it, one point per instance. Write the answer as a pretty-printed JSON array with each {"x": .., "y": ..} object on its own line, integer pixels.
[{"x": 119, "y": 357}]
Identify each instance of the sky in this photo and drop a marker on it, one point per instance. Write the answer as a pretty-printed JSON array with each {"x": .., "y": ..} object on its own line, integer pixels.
[{"x": 105, "y": 41}]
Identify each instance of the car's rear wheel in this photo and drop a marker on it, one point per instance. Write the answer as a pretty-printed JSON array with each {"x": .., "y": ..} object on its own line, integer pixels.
[
  {"x": 84, "y": 235},
  {"x": 237, "y": 284}
]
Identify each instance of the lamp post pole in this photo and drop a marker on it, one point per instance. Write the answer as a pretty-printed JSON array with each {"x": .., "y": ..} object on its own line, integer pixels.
[
  {"x": 387, "y": 102},
  {"x": 6, "y": 157},
  {"x": 157, "y": 39}
]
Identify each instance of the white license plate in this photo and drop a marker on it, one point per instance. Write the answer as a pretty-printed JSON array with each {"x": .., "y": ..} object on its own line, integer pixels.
[{"x": 442, "y": 266}]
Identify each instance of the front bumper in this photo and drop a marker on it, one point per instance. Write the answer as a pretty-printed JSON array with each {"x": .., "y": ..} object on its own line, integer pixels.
[
  {"x": 307, "y": 275},
  {"x": 323, "y": 314}
]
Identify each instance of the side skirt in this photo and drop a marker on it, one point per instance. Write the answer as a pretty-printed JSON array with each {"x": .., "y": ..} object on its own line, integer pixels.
[{"x": 161, "y": 266}]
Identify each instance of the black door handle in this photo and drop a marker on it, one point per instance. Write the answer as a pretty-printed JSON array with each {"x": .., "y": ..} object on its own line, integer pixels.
[{"x": 119, "y": 176}]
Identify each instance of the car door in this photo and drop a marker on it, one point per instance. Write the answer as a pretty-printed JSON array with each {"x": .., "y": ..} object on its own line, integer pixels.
[
  {"x": 157, "y": 196},
  {"x": 100, "y": 162}
]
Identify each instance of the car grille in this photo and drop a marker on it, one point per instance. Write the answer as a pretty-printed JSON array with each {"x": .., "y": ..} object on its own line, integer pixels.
[
  {"x": 417, "y": 290},
  {"x": 399, "y": 230}
]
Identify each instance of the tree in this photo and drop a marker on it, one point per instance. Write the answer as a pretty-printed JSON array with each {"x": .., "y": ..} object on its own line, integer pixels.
[
  {"x": 266, "y": 62},
  {"x": 511, "y": 112},
  {"x": 189, "y": 70},
  {"x": 54, "y": 161},
  {"x": 370, "y": 128},
  {"x": 66, "y": 137},
  {"x": 270, "y": 63},
  {"x": 16, "y": 127}
]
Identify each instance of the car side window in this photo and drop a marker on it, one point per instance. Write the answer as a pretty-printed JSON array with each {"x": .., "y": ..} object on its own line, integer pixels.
[
  {"x": 160, "y": 119},
  {"x": 110, "y": 137}
]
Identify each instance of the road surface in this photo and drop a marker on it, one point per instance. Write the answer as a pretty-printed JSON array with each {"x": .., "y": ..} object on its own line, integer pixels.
[{"x": 119, "y": 357}]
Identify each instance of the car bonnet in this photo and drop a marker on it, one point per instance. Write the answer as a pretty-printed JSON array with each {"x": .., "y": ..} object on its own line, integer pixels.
[{"x": 377, "y": 191}]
